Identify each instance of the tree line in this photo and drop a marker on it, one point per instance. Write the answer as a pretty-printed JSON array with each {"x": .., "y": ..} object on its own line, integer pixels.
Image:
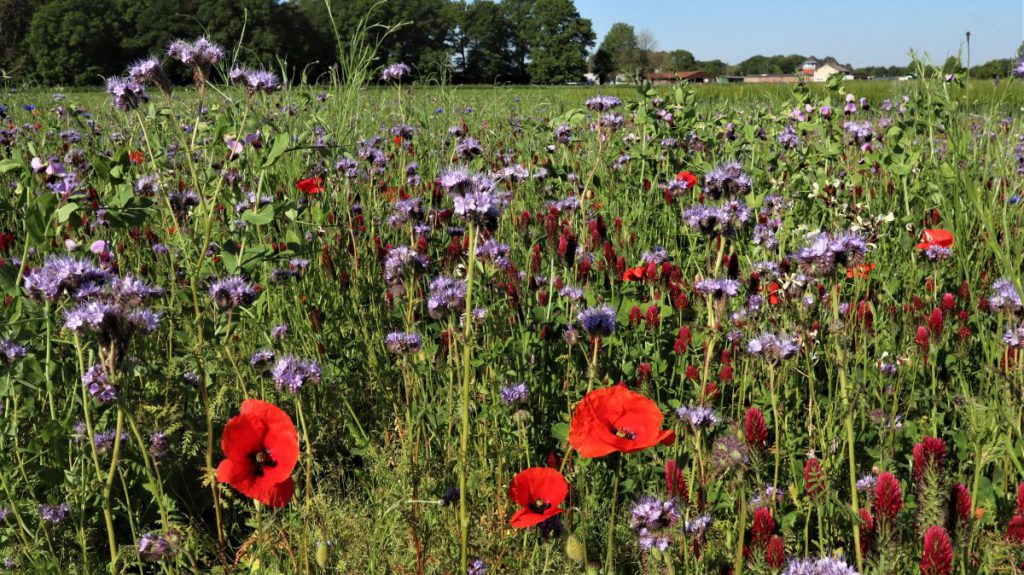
[
  {"x": 625, "y": 52},
  {"x": 78, "y": 42}
]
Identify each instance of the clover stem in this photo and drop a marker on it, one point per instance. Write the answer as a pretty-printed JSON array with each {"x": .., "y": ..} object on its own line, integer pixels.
[{"x": 737, "y": 565}]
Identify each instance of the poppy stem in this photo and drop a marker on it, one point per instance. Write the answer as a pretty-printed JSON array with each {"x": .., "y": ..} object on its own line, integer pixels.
[
  {"x": 309, "y": 481},
  {"x": 609, "y": 558},
  {"x": 595, "y": 344},
  {"x": 850, "y": 439},
  {"x": 464, "y": 415}
]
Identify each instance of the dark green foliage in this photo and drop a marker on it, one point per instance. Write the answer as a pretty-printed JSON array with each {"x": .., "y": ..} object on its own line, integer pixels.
[
  {"x": 559, "y": 40},
  {"x": 69, "y": 42}
]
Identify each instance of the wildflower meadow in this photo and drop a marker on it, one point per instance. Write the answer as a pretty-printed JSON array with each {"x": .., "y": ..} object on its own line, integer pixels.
[{"x": 386, "y": 325}]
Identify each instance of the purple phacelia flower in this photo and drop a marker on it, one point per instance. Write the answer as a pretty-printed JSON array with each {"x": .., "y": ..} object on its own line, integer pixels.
[
  {"x": 54, "y": 514},
  {"x": 232, "y": 292},
  {"x": 698, "y": 417},
  {"x": 653, "y": 519},
  {"x": 718, "y": 288},
  {"x": 292, "y": 373},
  {"x": 10, "y": 352},
  {"x": 401, "y": 343},
  {"x": 597, "y": 321},
  {"x": 154, "y": 547},
  {"x": 62, "y": 275},
  {"x": 395, "y": 72},
  {"x": 727, "y": 180},
  {"x": 126, "y": 94},
  {"x": 603, "y": 103},
  {"x": 515, "y": 393},
  {"x": 772, "y": 347},
  {"x": 1004, "y": 297},
  {"x": 400, "y": 262},
  {"x": 95, "y": 382}
]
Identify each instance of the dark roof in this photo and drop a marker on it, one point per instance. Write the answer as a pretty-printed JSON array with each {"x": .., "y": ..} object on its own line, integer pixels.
[
  {"x": 686, "y": 75},
  {"x": 839, "y": 67}
]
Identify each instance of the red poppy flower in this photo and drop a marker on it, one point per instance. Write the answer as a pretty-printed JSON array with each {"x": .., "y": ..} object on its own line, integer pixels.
[
  {"x": 690, "y": 179},
  {"x": 773, "y": 289},
  {"x": 633, "y": 274},
  {"x": 136, "y": 156},
  {"x": 861, "y": 271},
  {"x": 615, "y": 419},
  {"x": 538, "y": 491},
  {"x": 262, "y": 448},
  {"x": 310, "y": 185},
  {"x": 936, "y": 238}
]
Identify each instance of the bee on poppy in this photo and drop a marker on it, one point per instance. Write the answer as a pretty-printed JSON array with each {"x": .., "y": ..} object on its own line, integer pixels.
[
  {"x": 616, "y": 419},
  {"x": 262, "y": 448},
  {"x": 538, "y": 491}
]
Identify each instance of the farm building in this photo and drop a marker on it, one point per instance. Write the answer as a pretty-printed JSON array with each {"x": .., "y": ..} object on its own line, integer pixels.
[
  {"x": 692, "y": 77},
  {"x": 773, "y": 79},
  {"x": 820, "y": 70}
]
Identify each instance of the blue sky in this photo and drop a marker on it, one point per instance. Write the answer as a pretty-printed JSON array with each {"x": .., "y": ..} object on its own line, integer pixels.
[{"x": 861, "y": 32}]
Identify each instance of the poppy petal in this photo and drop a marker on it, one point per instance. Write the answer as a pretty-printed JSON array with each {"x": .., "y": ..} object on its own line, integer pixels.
[
  {"x": 283, "y": 447},
  {"x": 275, "y": 494},
  {"x": 243, "y": 435},
  {"x": 527, "y": 518},
  {"x": 237, "y": 475}
]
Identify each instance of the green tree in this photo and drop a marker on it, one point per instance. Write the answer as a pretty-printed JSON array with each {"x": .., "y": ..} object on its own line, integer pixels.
[
  {"x": 517, "y": 14},
  {"x": 952, "y": 65},
  {"x": 993, "y": 69},
  {"x": 558, "y": 41},
  {"x": 486, "y": 47},
  {"x": 252, "y": 26},
  {"x": 619, "y": 48},
  {"x": 680, "y": 60},
  {"x": 73, "y": 42},
  {"x": 15, "y": 16},
  {"x": 715, "y": 67},
  {"x": 602, "y": 65}
]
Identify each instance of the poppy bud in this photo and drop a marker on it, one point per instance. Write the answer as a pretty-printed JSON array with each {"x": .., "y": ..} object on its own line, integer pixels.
[{"x": 574, "y": 549}]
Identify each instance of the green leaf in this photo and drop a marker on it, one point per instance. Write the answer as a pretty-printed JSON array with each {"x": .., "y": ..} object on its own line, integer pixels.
[
  {"x": 279, "y": 147},
  {"x": 230, "y": 261},
  {"x": 260, "y": 218},
  {"x": 65, "y": 212},
  {"x": 11, "y": 164},
  {"x": 38, "y": 217},
  {"x": 560, "y": 431}
]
